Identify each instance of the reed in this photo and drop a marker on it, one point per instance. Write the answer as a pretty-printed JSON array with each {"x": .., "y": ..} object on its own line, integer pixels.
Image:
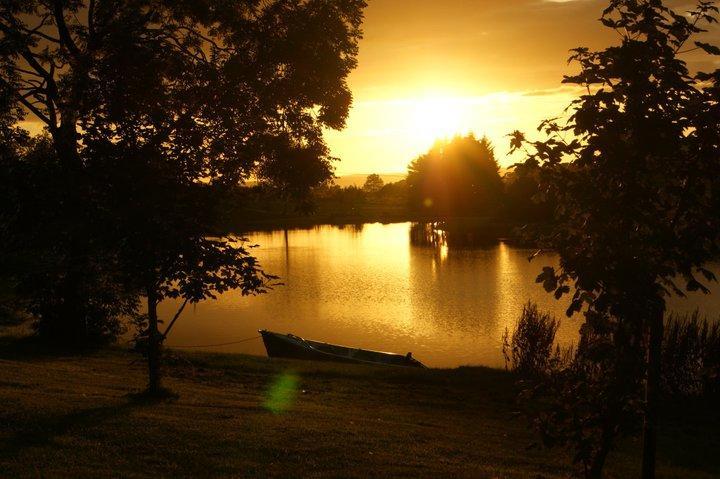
[{"x": 691, "y": 355}]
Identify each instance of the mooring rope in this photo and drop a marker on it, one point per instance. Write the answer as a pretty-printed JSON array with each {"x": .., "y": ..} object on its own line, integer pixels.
[{"x": 215, "y": 345}]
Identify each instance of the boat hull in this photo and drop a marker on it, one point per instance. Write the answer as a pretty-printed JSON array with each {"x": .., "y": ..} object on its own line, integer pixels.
[{"x": 293, "y": 347}]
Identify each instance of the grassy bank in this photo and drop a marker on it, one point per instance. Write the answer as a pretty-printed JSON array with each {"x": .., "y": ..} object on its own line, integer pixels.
[{"x": 240, "y": 416}]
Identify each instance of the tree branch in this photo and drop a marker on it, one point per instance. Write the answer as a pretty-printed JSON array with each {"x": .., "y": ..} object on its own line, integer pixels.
[
  {"x": 175, "y": 318},
  {"x": 35, "y": 111},
  {"x": 63, "y": 31},
  {"x": 688, "y": 50},
  {"x": 91, "y": 22},
  {"x": 36, "y": 30},
  {"x": 27, "y": 72},
  {"x": 691, "y": 31},
  {"x": 29, "y": 56}
]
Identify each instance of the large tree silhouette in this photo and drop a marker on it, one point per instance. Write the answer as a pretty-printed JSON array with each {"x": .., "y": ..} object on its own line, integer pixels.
[
  {"x": 154, "y": 107},
  {"x": 456, "y": 177},
  {"x": 637, "y": 215}
]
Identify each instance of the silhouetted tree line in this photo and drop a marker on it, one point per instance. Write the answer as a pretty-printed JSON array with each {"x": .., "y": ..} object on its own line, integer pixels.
[
  {"x": 152, "y": 113},
  {"x": 456, "y": 178},
  {"x": 461, "y": 177},
  {"x": 260, "y": 206},
  {"x": 374, "y": 190}
]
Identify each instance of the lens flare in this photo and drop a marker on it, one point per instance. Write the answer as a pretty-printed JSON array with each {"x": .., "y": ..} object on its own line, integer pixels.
[{"x": 281, "y": 395}]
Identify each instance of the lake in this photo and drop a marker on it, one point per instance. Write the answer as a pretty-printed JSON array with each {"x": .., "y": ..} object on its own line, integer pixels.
[{"x": 395, "y": 287}]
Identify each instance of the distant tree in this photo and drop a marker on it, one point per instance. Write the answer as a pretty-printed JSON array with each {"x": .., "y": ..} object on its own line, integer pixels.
[
  {"x": 394, "y": 194},
  {"x": 456, "y": 177},
  {"x": 373, "y": 183},
  {"x": 637, "y": 216},
  {"x": 154, "y": 108},
  {"x": 350, "y": 195}
]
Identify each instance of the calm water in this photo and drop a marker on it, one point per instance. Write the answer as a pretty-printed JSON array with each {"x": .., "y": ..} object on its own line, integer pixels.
[{"x": 372, "y": 287}]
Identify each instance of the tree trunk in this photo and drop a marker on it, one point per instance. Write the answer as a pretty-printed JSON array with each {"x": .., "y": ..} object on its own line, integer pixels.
[
  {"x": 154, "y": 345},
  {"x": 65, "y": 141},
  {"x": 652, "y": 392},
  {"x": 598, "y": 462}
]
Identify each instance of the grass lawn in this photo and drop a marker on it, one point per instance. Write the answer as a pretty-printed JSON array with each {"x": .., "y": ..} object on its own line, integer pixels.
[{"x": 241, "y": 416}]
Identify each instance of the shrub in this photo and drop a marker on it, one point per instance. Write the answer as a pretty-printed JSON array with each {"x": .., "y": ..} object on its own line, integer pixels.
[
  {"x": 529, "y": 351},
  {"x": 582, "y": 398},
  {"x": 587, "y": 397},
  {"x": 691, "y": 355}
]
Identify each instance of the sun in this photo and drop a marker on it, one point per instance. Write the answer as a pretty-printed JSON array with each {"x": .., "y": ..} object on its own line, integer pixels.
[{"x": 437, "y": 117}]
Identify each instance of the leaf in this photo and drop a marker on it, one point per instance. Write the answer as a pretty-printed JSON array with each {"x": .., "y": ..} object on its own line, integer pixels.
[
  {"x": 548, "y": 279},
  {"x": 695, "y": 285},
  {"x": 709, "y": 275},
  {"x": 548, "y": 271},
  {"x": 561, "y": 291},
  {"x": 550, "y": 284},
  {"x": 517, "y": 138},
  {"x": 711, "y": 49},
  {"x": 574, "y": 307}
]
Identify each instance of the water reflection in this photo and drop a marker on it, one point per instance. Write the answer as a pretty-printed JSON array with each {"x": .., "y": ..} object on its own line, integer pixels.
[
  {"x": 398, "y": 287},
  {"x": 453, "y": 235}
]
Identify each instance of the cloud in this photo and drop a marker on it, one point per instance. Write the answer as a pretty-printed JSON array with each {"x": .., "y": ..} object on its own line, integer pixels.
[{"x": 565, "y": 89}]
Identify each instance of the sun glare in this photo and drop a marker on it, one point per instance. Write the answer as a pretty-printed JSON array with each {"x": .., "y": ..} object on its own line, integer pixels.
[{"x": 434, "y": 118}]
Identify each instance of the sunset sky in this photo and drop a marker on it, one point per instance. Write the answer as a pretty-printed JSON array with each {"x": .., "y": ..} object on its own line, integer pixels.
[{"x": 431, "y": 68}]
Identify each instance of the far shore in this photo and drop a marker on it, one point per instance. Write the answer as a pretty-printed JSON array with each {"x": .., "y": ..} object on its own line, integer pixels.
[{"x": 497, "y": 228}]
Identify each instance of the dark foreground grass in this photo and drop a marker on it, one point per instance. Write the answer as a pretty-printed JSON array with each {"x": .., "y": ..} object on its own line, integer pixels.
[{"x": 240, "y": 416}]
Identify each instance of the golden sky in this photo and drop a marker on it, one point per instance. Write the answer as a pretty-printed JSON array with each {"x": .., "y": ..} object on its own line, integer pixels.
[
  {"x": 434, "y": 68},
  {"x": 430, "y": 69}
]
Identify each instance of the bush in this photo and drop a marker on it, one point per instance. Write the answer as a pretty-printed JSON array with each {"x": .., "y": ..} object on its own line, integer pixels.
[
  {"x": 691, "y": 356},
  {"x": 581, "y": 398},
  {"x": 587, "y": 397},
  {"x": 529, "y": 351}
]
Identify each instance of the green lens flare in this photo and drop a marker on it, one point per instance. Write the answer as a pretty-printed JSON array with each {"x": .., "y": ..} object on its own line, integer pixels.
[{"x": 281, "y": 395}]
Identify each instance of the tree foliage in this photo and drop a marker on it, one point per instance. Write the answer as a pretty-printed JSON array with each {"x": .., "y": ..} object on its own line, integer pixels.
[
  {"x": 456, "y": 177},
  {"x": 634, "y": 171},
  {"x": 524, "y": 199},
  {"x": 155, "y": 107},
  {"x": 638, "y": 205},
  {"x": 581, "y": 398},
  {"x": 60, "y": 272},
  {"x": 373, "y": 183}
]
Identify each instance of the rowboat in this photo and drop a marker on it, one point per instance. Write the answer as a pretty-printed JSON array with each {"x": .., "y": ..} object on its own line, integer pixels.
[{"x": 294, "y": 347}]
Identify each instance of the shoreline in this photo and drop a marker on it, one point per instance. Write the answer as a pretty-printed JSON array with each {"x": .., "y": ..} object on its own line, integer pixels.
[{"x": 505, "y": 229}]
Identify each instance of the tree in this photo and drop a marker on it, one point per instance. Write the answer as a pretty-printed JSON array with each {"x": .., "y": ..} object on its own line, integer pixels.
[
  {"x": 51, "y": 265},
  {"x": 210, "y": 93},
  {"x": 634, "y": 170},
  {"x": 373, "y": 183},
  {"x": 524, "y": 200},
  {"x": 456, "y": 177},
  {"x": 58, "y": 270}
]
